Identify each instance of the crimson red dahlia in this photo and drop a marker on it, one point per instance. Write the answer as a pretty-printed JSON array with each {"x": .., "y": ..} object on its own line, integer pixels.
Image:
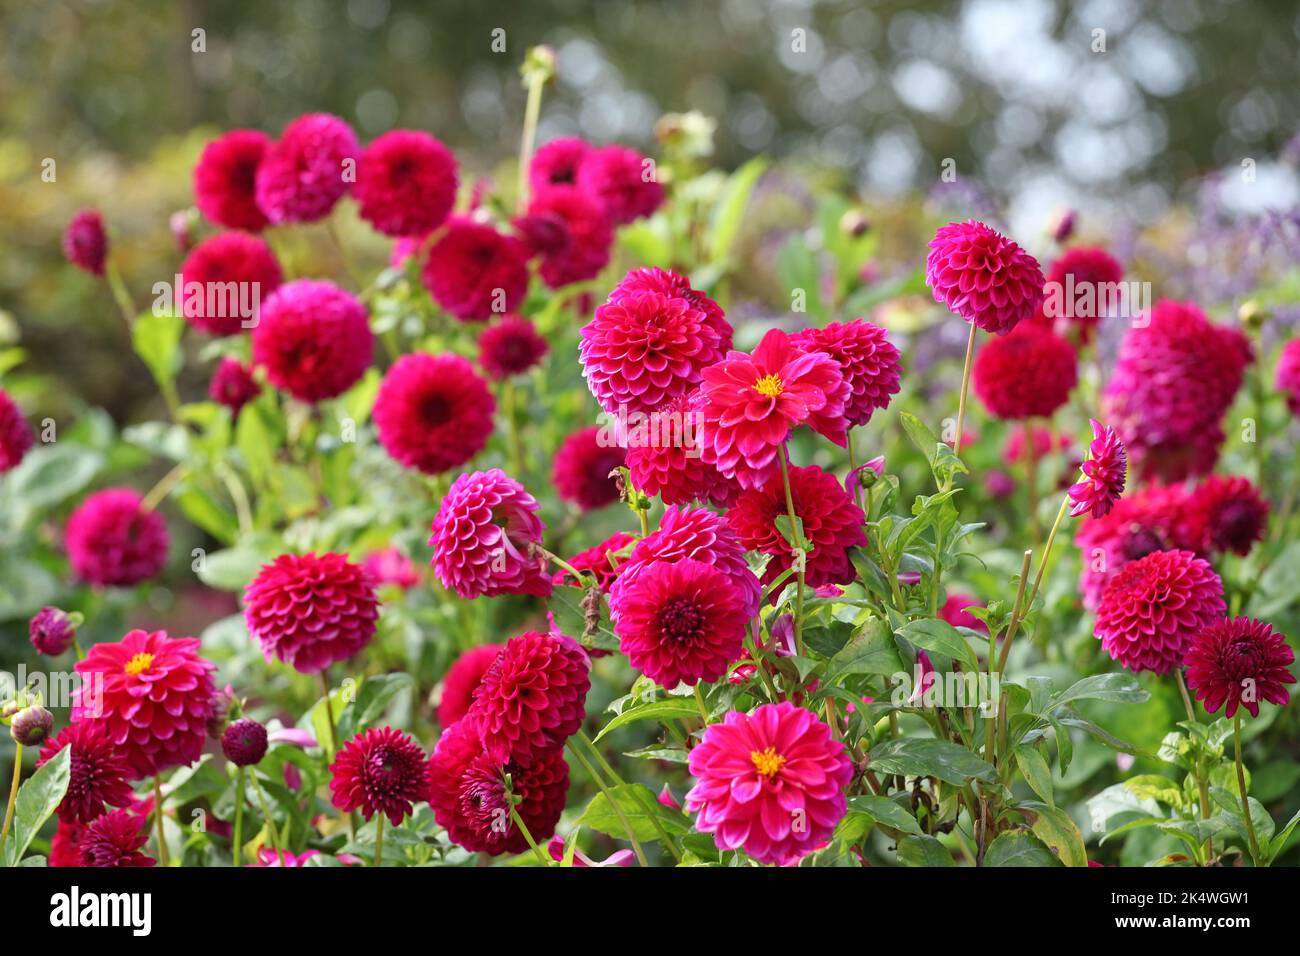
[
  {"x": 665, "y": 460},
  {"x": 378, "y": 771},
  {"x": 85, "y": 242},
  {"x": 406, "y": 183},
  {"x": 1148, "y": 519},
  {"x": 113, "y": 542},
  {"x": 1287, "y": 377},
  {"x": 623, "y": 181},
  {"x": 313, "y": 339},
  {"x": 114, "y": 840},
  {"x": 556, "y": 163},
  {"x": 1078, "y": 284},
  {"x": 1241, "y": 662},
  {"x": 1026, "y": 374},
  {"x": 461, "y": 682},
  {"x": 475, "y": 272},
  {"x": 510, "y": 347},
  {"x": 674, "y": 285},
  {"x": 230, "y": 257},
  {"x": 571, "y": 233},
  {"x": 1225, "y": 513},
  {"x": 225, "y": 179},
  {"x": 582, "y": 468},
  {"x": 97, "y": 772},
  {"x": 433, "y": 412},
  {"x": 311, "y": 611},
  {"x": 597, "y": 561},
  {"x": 16, "y": 435},
  {"x": 1104, "y": 474},
  {"x": 233, "y": 385},
  {"x": 983, "y": 276},
  {"x": 868, "y": 361},
  {"x": 307, "y": 170},
  {"x": 244, "y": 742}
]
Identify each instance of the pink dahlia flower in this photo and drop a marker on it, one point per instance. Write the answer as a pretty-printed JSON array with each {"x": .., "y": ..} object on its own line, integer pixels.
[
  {"x": 983, "y": 276},
  {"x": 1241, "y": 662},
  {"x": 113, "y": 542},
  {"x": 97, "y": 772},
  {"x": 378, "y": 771},
  {"x": 1104, "y": 474},
  {"x": 16, "y": 436},
  {"x": 868, "y": 361},
  {"x": 1026, "y": 374},
  {"x": 433, "y": 412},
  {"x": 571, "y": 233},
  {"x": 556, "y": 163},
  {"x": 85, "y": 242},
  {"x": 225, "y": 179},
  {"x": 510, "y": 347},
  {"x": 406, "y": 183},
  {"x": 391, "y": 567},
  {"x": 1288, "y": 375},
  {"x": 1146, "y": 520},
  {"x": 233, "y": 385},
  {"x": 582, "y": 468},
  {"x": 313, "y": 339},
  {"x": 475, "y": 272},
  {"x": 623, "y": 180},
  {"x": 1078, "y": 285},
  {"x": 664, "y": 459},
  {"x": 461, "y": 682},
  {"x": 210, "y": 270},
  {"x": 956, "y": 611},
  {"x": 307, "y": 170}
]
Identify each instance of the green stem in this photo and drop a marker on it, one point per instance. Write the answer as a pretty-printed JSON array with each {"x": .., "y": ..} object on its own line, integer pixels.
[
  {"x": 512, "y": 420},
  {"x": 276, "y": 843},
  {"x": 379, "y": 839},
  {"x": 620, "y": 782},
  {"x": 120, "y": 294},
  {"x": 1030, "y": 456},
  {"x": 799, "y": 555},
  {"x": 609, "y": 798},
  {"x": 237, "y": 848},
  {"x": 532, "y": 113},
  {"x": 1016, "y": 619},
  {"x": 163, "y": 488},
  {"x": 699, "y": 700},
  {"x": 1199, "y": 771},
  {"x": 542, "y": 858},
  {"x": 1241, "y": 789},
  {"x": 13, "y": 792},
  {"x": 158, "y": 817},
  {"x": 965, "y": 390},
  {"x": 76, "y": 649}
]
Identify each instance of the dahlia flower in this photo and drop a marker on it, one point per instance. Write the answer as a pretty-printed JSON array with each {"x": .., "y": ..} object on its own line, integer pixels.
[
  {"x": 378, "y": 771},
  {"x": 85, "y": 242},
  {"x": 305, "y": 172},
  {"x": 97, "y": 772},
  {"x": 215, "y": 263},
  {"x": 390, "y": 566},
  {"x": 1104, "y": 474},
  {"x": 571, "y": 233},
  {"x": 52, "y": 631},
  {"x": 461, "y": 682},
  {"x": 1013, "y": 448},
  {"x": 1146, "y": 520},
  {"x": 623, "y": 181},
  {"x": 475, "y": 272},
  {"x": 16, "y": 435},
  {"x": 596, "y": 560},
  {"x": 665, "y": 459},
  {"x": 314, "y": 340},
  {"x": 1077, "y": 284},
  {"x": 510, "y": 347},
  {"x": 113, "y": 541},
  {"x": 244, "y": 742},
  {"x": 956, "y": 611},
  {"x": 556, "y": 163},
  {"x": 1239, "y": 661},
  {"x": 983, "y": 276},
  {"x": 674, "y": 285},
  {"x": 406, "y": 183},
  {"x": 1026, "y": 374},
  {"x": 1225, "y": 513},
  {"x": 868, "y": 361},
  {"x": 115, "y": 839},
  {"x": 582, "y": 468},
  {"x": 233, "y": 385},
  {"x": 225, "y": 179},
  {"x": 433, "y": 412},
  {"x": 1288, "y": 375}
]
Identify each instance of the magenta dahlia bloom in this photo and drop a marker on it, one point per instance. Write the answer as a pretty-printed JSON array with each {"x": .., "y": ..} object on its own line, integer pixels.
[
  {"x": 532, "y": 698},
  {"x": 150, "y": 694},
  {"x": 571, "y": 233},
  {"x": 750, "y": 403},
  {"x": 311, "y": 611},
  {"x": 1076, "y": 287},
  {"x": 664, "y": 459},
  {"x": 983, "y": 276},
  {"x": 307, "y": 170},
  {"x": 406, "y": 183},
  {"x": 1241, "y": 662},
  {"x": 51, "y": 631},
  {"x": 1153, "y": 608},
  {"x": 225, "y": 179},
  {"x": 233, "y": 385},
  {"x": 115, "y": 839},
  {"x": 461, "y": 682},
  {"x": 1104, "y": 474},
  {"x": 624, "y": 182},
  {"x": 771, "y": 782},
  {"x": 244, "y": 742},
  {"x": 483, "y": 537},
  {"x": 675, "y": 286},
  {"x": 313, "y": 339},
  {"x": 597, "y": 561},
  {"x": 868, "y": 361},
  {"x": 956, "y": 611},
  {"x": 1225, "y": 513},
  {"x": 390, "y": 566},
  {"x": 16, "y": 436},
  {"x": 1288, "y": 375},
  {"x": 582, "y": 470},
  {"x": 206, "y": 274},
  {"x": 556, "y": 163},
  {"x": 1026, "y": 374},
  {"x": 475, "y": 272},
  {"x": 1148, "y": 519},
  {"x": 683, "y": 622},
  {"x": 467, "y": 791},
  {"x": 97, "y": 772},
  {"x": 510, "y": 347},
  {"x": 433, "y": 412},
  {"x": 113, "y": 542},
  {"x": 378, "y": 771},
  {"x": 85, "y": 242}
]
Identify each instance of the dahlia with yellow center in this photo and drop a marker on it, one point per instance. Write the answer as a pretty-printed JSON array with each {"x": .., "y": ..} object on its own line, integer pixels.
[
  {"x": 767, "y": 762},
  {"x": 138, "y": 664}
]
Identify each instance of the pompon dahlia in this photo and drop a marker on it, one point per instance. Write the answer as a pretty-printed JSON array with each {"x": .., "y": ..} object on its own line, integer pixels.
[
  {"x": 307, "y": 170},
  {"x": 749, "y": 404},
  {"x": 684, "y": 622},
  {"x": 1153, "y": 608},
  {"x": 832, "y": 523},
  {"x": 1079, "y": 286},
  {"x": 483, "y": 535},
  {"x": 674, "y": 285},
  {"x": 623, "y": 180},
  {"x": 475, "y": 272},
  {"x": 1175, "y": 377},
  {"x": 224, "y": 280},
  {"x": 694, "y": 533},
  {"x": 571, "y": 233},
  {"x": 114, "y": 840},
  {"x": 597, "y": 561},
  {"x": 581, "y": 472},
  {"x": 664, "y": 459},
  {"x": 97, "y": 772},
  {"x": 1241, "y": 662},
  {"x": 1225, "y": 513},
  {"x": 467, "y": 791},
  {"x": 956, "y": 612},
  {"x": 233, "y": 385},
  {"x": 16, "y": 436},
  {"x": 391, "y": 567},
  {"x": 1288, "y": 375},
  {"x": 642, "y": 349},
  {"x": 510, "y": 347},
  {"x": 556, "y": 163},
  {"x": 314, "y": 340},
  {"x": 113, "y": 542},
  {"x": 1148, "y": 519},
  {"x": 433, "y": 412},
  {"x": 311, "y": 611},
  {"x": 225, "y": 179},
  {"x": 983, "y": 276},
  {"x": 1104, "y": 474},
  {"x": 150, "y": 693},
  {"x": 1013, "y": 449},
  {"x": 532, "y": 698},
  {"x": 244, "y": 742},
  {"x": 771, "y": 782},
  {"x": 406, "y": 183},
  {"x": 868, "y": 361},
  {"x": 378, "y": 771},
  {"x": 1028, "y": 373},
  {"x": 85, "y": 242},
  {"x": 461, "y": 682}
]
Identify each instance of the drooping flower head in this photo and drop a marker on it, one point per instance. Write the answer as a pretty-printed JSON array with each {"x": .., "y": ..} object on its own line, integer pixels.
[
  {"x": 475, "y": 272},
  {"x": 1225, "y": 513},
  {"x": 582, "y": 467},
  {"x": 16, "y": 436},
  {"x": 307, "y": 170},
  {"x": 1287, "y": 375},
  {"x": 664, "y": 458},
  {"x": 97, "y": 772},
  {"x": 207, "y": 298},
  {"x": 433, "y": 412},
  {"x": 114, "y": 840},
  {"x": 771, "y": 782},
  {"x": 556, "y": 163},
  {"x": 406, "y": 183},
  {"x": 983, "y": 276},
  {"x": 313, "y": 339},
  {"x": 1079, "y": 287},
  {"x": 310, "y": 610},
  {"x": 113, "y": 542},
  {"x": 510, "y": 347},
  {"x": 623, "y": 181},
  {"x": 868, "y": 361},
  {"x": 461, "y": 682},
  {"x": 1028, "y": 373},
  {"x": 233, "y": 385},
  {"x": 85, "y": 242},
  {"x": 570, "y": 231},
  {"x": 1104, "y": 474},
  {"x": 597, "y": 561},
  {"x": 1241, "y": 662},
  {"x": 225, "y": 179},
  {"x": 378, "y": 771}
]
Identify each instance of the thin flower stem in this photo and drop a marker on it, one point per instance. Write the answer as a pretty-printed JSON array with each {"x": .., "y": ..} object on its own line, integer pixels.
[
  {"x": 158, "y": 817},
  {"x": 1016, "y": 620},
  {"x": 510, "y": 400},
  {"x": 13, "y": 792},
  {"x": 159, "y": 492},
  {"x": 329, "y": 713},
  {"x": 699, "y": 700},
  {"x": 532, "y": 113},
  {"x": 620, "y": 782},
  {"x": 76, "y": 649},
  {"x": 799, "y": 557},
  {"x": 1030, "y": 456},
  {"x": 1241, "y": 789},
  {"x": 556, "y": 559},
  {"x": 990, "y": 725},
  {"x": 276, "y": 843},
  {"x": 965, "y": 389},
  {"x": 1202, "y": 785},
  {"x": 237, "y": 847},
  {"x": 121, "y": 295},
  {"x": 853, "y": 467},
  {"x": 609, "y": 798},
  {"x": 379, "y": 839},
  {"x": 542, "y": 858}
]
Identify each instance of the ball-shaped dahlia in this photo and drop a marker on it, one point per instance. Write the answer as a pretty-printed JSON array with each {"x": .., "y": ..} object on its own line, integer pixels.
[
  {"x": 597, "y": 561},
  {"x": 1079, "y": 284},
  {"x": 16, "y": 435},
  {"x": 378, "y": 771},
  {"x": 1013, "y": 448},
  {"x": 749, "y": 404},
  {"x": 244, "y": 742},
  {"x": 771, "y": 782},
  {"x": 623, "y": 181},
  {"x": 114, "y": 840},
  {"x": 1287, "y": 376},
  {"x": 224, "y": 280},
  {"x": 1153, "y": 608},
  {"x": 97, "y": 772},
  {"x": 468, "y": 794},
  {"x": 1149, "y": 519},
  {"x": 683, "y": 622},
  {"x": 307, "y": 170},
  {"x": 664, "y": 459},
  {"x": 582, "y": 469},
  {"x": 113, "y": 541},
  {"x": 557, "y": 162},
  {"x": 433, "y": 412},
  {"x": 85, "y": 242},
  {"x": 1241, "y": 662},
  {"x": 483, "y": 537},
  {"x": 642, "y": 349},
  {"x": 475, "y": 272},
  {"x": 956, "y": 611},
  {"x": 52, "y": 631},
  {"x": 406, "y": 183},
  {"x": 532, "y": 698},
  {"x": 311, "y": 610},
  {"x": 697, "y": 534},
  {"x": 233, "y": 385},
  {"x": 150, "y": 694},
  {"x": 570, "y": 231},
  {"x": 1225, "y": 513},
  {"x": 832, "y": 524},
  {"x": 983, "y": 276},
  {"x": 510, "y": 347},
  {"x": 674, "y": 285},
  {"x": 461, "y": 682},
  {"x": 868, "y": 361},
  {"x": 1104, "y": 474},
  {"x": 1026, "y": 374},
  {"x": 225, "y": 179},
  {"x": 313, "y": 339},
  {"x": 390, "y": 566}
]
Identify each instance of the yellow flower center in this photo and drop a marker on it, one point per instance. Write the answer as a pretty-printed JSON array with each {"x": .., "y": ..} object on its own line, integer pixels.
[
  {"x": 139, "y": 664},
  {"x": 767, "y": 762},
  {"x": 769, "y": 385}
]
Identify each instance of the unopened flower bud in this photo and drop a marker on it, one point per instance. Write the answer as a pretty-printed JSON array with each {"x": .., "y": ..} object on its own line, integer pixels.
[
  {"x": 52, "y": 631},
  {"x": 854, "y": 224},
  {"x": 1252, "y": 314},
  {"x": 31, "y": 726},
  {"x": 244, "y": 742}
]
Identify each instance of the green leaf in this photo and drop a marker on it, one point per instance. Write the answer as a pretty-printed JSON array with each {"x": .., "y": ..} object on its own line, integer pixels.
[
  {"x": 640, "y": 807},
  {"x": 1279, "y": 585},
  {"x": 923, "y": 850},
  {"x": 1278, "y": 844},
  {"x": 1019, "y": 849},
  {"x": 38, "y": 798},
  {"x": 667, "y": 754},
  {"x": 156, "y": 337},
  {"x": 232, "y": 568},
  {"x": 885, "y": 811},
  {"x": 923, "y": 757},
  {"x": 1036, "y": 771},
  {"x": 50, "y": 474},
  {"x": 730, "y": 210},
  {"x": 373, "y": 700},
  {"x": 1151, "y": 786},
  {"x": 1055, "y": 828},
  {"x": 669, "y": 709},
  {"x": 1118, "y": 688},
  {"x": 941, "y": 638},
  {"x": 870, "y": 651}
]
